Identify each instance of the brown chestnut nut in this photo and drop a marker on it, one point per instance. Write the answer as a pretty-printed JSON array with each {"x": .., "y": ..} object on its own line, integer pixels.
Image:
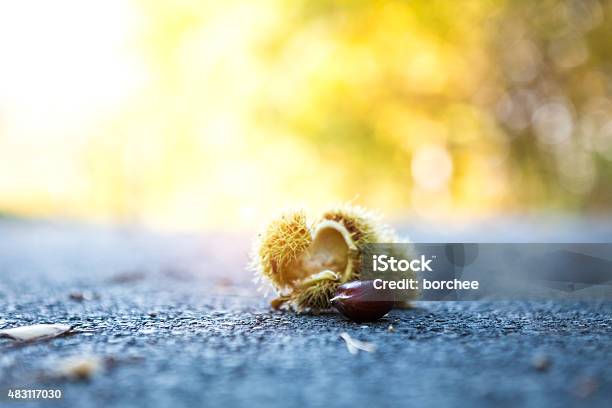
[{"x": 361, "y": 302}]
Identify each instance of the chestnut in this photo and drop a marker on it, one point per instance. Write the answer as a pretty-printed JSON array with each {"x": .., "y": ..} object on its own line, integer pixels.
[{"x": 361, "y": 302}]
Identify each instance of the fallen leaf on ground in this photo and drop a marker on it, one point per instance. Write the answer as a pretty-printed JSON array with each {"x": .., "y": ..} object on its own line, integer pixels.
[
  {"x": 128, "y": 277},
  {"x": 77, "y": 296},
  {"x": 79, "y": 367},
  {"x": 354, "y": 345},
  {"x": 35, "y": 332},
  {"x": 541, "y": 362}
]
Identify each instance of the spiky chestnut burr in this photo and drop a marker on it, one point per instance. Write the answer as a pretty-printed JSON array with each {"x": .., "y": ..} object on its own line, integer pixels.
[{"x": 305, "y": 263}]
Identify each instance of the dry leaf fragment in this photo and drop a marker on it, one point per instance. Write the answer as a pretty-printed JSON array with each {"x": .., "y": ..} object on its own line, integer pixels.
[
  {"x": 35, "y": 332},
  {"x": 128, "y": 277},
  {"x": 354, "y": 345},
  {"x": 541, "y": 362},
  {"x": 79, "y": 367},
  {"x": 77, "y": 296}
]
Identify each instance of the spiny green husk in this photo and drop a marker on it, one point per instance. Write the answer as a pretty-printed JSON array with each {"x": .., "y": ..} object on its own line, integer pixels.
[
  {"x": 364, "y": 226},
  {"x": 315, "y": 296},
  {"x": 290, "y": 254},
  {"x": 282, "y": 243}
]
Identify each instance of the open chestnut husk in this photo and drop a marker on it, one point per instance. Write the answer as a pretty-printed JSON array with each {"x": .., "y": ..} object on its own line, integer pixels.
[{"x": 361, "y": 302}]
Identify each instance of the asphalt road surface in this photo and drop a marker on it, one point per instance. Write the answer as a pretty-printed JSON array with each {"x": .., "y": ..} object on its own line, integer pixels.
[{"x": 174, "y": 321}]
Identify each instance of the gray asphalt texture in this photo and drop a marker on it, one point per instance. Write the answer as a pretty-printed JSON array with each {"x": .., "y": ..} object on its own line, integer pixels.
[{"x": 177, "y": 323}]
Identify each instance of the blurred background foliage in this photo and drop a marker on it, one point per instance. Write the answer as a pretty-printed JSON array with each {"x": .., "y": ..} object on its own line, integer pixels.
[{"x": 196, "y": 114}]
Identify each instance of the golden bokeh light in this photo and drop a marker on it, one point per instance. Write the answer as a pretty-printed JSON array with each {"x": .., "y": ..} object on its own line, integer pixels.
[{"x": 200, "y": 114}]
